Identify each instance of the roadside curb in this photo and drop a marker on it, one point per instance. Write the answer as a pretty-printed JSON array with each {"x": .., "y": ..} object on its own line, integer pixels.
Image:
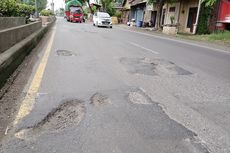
[{"x": 13, "y": 57}]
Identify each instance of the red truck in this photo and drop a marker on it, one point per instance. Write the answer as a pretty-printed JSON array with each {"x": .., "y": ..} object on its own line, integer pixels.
[{"x": 74, "y": 12}]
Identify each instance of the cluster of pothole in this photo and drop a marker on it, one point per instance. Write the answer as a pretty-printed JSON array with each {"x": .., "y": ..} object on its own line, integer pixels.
[{"x": 152, "y": 67}]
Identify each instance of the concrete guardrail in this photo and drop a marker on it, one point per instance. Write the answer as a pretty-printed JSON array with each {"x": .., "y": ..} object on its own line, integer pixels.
[
  {"x": 11, "y": 58},
  {"x": 11, "y": 36},
  {"x": 9, "y": 22}
]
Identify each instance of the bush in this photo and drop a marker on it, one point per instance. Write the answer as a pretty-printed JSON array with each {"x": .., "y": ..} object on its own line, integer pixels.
[
  {"x": 118, "y": 14},
  {"x": 46, "y": 13},
  {"x": 222, "y": 36},
  {"x": 24, "y": 10},
  {"x": 12, "y": 8},
  {"x": 7, "y": 7},
  {"x": 94, "y": 9}
]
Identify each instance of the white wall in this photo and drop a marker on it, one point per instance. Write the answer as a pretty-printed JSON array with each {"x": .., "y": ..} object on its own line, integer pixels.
[{"x": 169, "y": 14}]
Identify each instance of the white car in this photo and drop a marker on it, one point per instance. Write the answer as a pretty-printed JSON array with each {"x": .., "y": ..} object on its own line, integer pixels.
[{"x": 102, "y": 19}]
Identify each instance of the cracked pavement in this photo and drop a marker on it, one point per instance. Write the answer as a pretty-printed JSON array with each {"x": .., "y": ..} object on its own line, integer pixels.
[{"x": 101, "y": 94}]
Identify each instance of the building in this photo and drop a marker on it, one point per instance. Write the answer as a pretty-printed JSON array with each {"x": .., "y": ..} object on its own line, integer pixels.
[
  {"x": 137, "y": 10},
  {"x": 126, "y": 11},
  {"x": 182, "y": 14}
]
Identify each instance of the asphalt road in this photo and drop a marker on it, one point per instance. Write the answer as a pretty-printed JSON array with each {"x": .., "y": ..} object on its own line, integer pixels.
[{"x": 101, "y": 90}]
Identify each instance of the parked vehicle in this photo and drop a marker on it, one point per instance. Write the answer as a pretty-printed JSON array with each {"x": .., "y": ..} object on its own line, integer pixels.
[
  {"x": 73, "y": 11},
  {"x": 102, "y": 19}
]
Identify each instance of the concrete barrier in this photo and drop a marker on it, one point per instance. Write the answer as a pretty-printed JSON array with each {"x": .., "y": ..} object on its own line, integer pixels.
[
  {"x": 46, "y": 19},
  {"x": 12, "y": 57},
  {"x": 9, "y": 22},
  {"x": 11, "y": 36}
]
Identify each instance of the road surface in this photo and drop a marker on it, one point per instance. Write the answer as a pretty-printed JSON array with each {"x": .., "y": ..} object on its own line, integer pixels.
[{"x": 101, "y": 90}]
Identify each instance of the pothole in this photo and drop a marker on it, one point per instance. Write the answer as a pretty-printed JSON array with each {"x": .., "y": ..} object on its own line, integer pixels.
[
  {"x": 137, "y": 66},
  {"x": 152, "y": 67},
  {"x": 65, "y": 115},
  {"x": 139, "y": 97},
  {"x": 64, "y": 53},
  {"x": 99, "y": 99}
]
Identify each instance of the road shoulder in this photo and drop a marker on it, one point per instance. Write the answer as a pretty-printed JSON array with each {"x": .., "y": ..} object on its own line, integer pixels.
[
  {"x": 13, "y": 91},
  {"x": 184, "y": 39}
]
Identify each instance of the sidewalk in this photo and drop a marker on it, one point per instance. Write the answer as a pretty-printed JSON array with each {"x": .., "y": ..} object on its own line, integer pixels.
[{"x": 180, "y": 37}]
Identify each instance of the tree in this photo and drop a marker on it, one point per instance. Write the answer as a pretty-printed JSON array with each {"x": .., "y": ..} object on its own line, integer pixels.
[
  {"x": 209, "y": 2},
  {"x": 205, "y": 12},
  {"x": 108, "y": 6},
  {"x": 90, "y": 8},
  {"x": 41, "y": 3}
]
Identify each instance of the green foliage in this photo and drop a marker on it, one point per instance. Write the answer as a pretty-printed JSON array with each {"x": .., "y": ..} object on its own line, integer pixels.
[
  {"x": 12, "y": 8},
  {"x": 202, "y": 27},
  {"x": 85, "y": 13},
  {"x": 94, "y": 9},
  {"x": 110, "y": 9},
  {"x": 108, "y": 6},
  {"x": 118, "y": 14},
  {"x": 222, "y": 36},
  {"x": 41, "y": 4},
  {"x": 24, "y": 10},
  {"x": 46, "y": 13},
  {"x": 7, "y": 7},
  {"x": 209, "y": 2}
]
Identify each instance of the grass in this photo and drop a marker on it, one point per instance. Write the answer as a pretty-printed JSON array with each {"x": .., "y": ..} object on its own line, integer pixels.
[{"x": 220, "y": 37}]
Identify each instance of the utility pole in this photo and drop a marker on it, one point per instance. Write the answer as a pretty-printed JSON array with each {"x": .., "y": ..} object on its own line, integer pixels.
[
  {"x": 197, "y": 17},
  {"x": 36, "y": 9},
  {"x": 52, "y": 6}
]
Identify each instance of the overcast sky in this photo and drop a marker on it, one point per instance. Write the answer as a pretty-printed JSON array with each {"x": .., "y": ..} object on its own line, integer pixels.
[{"x": 57, "y": 4}]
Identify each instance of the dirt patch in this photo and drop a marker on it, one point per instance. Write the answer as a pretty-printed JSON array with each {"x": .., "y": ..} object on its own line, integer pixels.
[
  {"x": 64, "y": 53},
  {"x": 153, "y": 67},
  {"x": 139, "y": 97},
  {"x": 99, "y": 99},
  {"x": 65, "y": 115}
]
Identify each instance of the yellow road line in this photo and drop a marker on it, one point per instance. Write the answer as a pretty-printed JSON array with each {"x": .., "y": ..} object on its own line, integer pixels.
[{"x": 28, "y": 102}]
